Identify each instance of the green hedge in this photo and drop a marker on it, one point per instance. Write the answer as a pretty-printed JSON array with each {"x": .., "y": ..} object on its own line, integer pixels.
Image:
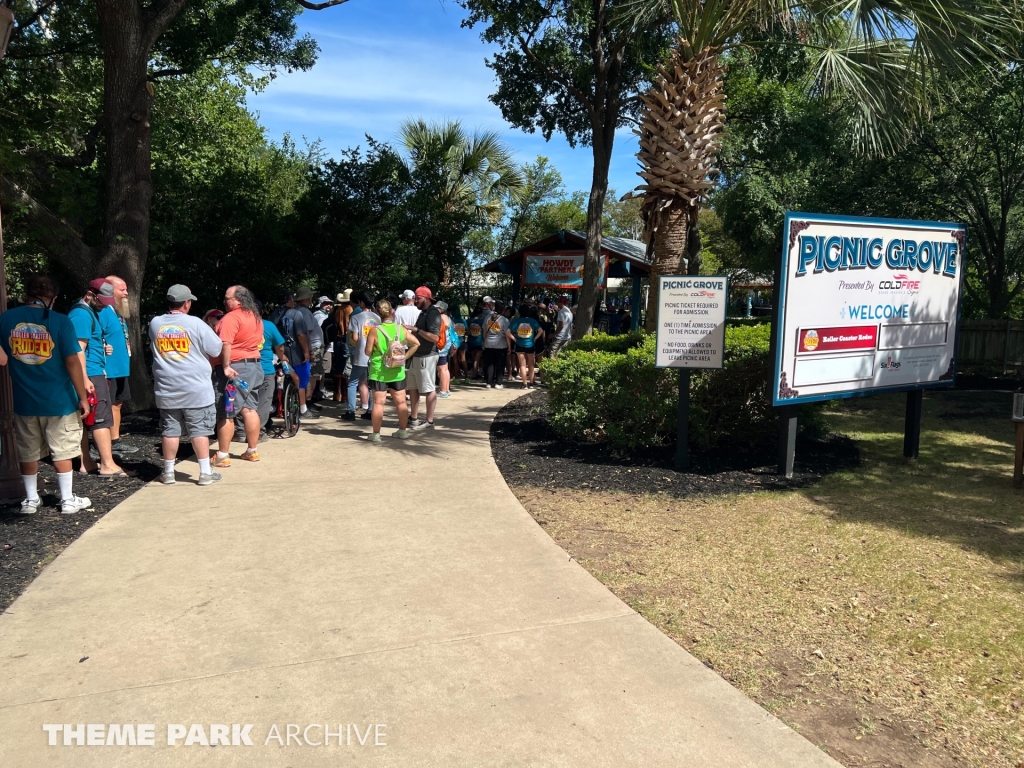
[
  {"x": 602, "y": 342},
  {"x": 619, "y": 396}
]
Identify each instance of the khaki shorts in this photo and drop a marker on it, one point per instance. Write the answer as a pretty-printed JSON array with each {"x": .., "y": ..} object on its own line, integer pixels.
[{"x": 59, "y": 436}]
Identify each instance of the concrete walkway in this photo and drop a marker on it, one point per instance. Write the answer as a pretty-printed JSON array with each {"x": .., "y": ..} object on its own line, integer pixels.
[{"x": 344, "y": 583}]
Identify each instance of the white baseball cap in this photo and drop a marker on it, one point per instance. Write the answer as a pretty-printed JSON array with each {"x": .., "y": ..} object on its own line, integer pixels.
[
  {"x": 488, "y": 300},
  {"x": 407, "y": 294}
]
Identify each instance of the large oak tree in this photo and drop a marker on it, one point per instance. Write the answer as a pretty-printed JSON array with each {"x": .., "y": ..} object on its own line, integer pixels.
[{"x": 131, "y": 45}]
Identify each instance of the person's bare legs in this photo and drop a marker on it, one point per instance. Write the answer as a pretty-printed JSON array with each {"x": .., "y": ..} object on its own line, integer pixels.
[
  {"x": 32, "y": 467},
  {"x": 225, "y": 431},
  {"x": 201, "y": 445},
  {"x": 364, "y": 392},
  {"x": 414, "y": 403},
  {"x": 444, "y": 376},
  {"x": 398, "y": 398},
  {"x": 115, "y": 430},
  {"x": 169, "y": 445},
  {"x": 101, "y": 437},
  {"x": 251, "y": 419},
  {"x": 522, "y": 369},
  {"x": 377, "y": 414},
  {"x": 431, "y": 398},
  {"x": 531, "y": 362}
]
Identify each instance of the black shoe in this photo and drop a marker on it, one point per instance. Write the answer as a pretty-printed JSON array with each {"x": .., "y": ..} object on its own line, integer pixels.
[
  {"x": 313, "y": 405},
  {"x": 365, "y": 416},
  {"x": 348, "y": 416},
  {"x": 309, "y": 414}
]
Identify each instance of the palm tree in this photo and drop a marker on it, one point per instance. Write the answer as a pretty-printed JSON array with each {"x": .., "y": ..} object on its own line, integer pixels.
[
  {"x": 473, "y": 172},
  {"x": 884, "y": 55}
]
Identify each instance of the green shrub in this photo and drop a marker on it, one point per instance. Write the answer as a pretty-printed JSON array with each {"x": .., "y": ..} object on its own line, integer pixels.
[
  {"x": 621, "y": 397},
  {"x": 602, "y": 342}
]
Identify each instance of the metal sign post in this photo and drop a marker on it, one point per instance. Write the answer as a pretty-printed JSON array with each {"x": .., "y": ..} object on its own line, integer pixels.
[{"x": 690, "y": 334}]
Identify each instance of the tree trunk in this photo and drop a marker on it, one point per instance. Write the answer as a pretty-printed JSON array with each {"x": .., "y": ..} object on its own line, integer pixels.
[
  {"x": 593, "y": 262},
  {"x": 669, "y": 254},
  {"x": 127, "y": 104}
]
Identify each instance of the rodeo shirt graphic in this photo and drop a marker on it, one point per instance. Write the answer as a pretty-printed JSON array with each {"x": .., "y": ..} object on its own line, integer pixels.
[
  {"x": 31, "y": 343},
  {"x": 173, "y": 342}
]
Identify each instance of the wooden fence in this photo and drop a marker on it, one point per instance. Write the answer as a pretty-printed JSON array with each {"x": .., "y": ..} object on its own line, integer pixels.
[{"x": 992, "y": 344}]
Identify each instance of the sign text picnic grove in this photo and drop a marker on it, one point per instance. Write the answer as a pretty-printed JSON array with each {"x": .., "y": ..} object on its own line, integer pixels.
[
  {"x": 865, "y": 305},
  {"x": 691, "y": 321}
]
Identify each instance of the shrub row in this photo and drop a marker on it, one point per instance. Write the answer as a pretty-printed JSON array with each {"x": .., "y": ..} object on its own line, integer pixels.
[{"x": 607, "y": 388}]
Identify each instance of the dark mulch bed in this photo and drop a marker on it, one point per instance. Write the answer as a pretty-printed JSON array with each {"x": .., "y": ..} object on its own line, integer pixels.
[
  {"x": 29, "y": 542},
  {"x": 527, "y": 451}
]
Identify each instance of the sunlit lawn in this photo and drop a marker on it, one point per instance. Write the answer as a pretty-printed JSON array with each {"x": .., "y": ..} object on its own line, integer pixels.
[{"x": 897, "y": 586}]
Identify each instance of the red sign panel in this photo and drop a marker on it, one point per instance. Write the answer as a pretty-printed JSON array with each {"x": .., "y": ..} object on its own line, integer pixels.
[{"x": 847, "y": 339}]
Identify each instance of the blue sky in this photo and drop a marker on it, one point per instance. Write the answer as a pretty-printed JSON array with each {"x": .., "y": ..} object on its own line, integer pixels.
[{"x": 383, "y": 61}]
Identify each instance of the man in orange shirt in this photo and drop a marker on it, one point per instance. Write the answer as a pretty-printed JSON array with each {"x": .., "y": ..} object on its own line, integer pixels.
[{"x": 241, "y": 330}]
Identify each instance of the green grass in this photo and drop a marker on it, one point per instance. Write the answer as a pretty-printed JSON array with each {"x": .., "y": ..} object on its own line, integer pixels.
[{"x": 896, "y": 586}]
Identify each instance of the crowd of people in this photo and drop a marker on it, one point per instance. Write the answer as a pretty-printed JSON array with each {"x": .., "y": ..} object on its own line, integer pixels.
[{"x": 215, "y": 377}]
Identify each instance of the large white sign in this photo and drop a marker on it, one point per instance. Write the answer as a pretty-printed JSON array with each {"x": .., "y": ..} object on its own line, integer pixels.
[
  {"x": 691, "y": 321},
  {"x": 866, "y": 305}
]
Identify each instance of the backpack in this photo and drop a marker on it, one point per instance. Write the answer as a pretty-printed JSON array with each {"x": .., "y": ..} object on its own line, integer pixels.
[
  {"x": 394, "y": 355},
  {"x": 442, "y": 335}
]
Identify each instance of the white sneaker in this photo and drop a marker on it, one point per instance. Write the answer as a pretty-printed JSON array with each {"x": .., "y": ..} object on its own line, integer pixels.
[
  {"x": 31, "y": 506},
  {"x": 74, "y": 504},
  {"x": 499, "y": 386},
  {"x": 422, "y": 425},
  {"x": 167, "y": 478},
  {"x": 374, "y": 437},
  {"x": 210, "y": 479},
  {"x": 402, "y": 434}
]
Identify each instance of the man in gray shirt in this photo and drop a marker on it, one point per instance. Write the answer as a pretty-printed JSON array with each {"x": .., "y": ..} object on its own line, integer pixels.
[
  {"x": 182, "y": 348},
  {"x": 563, "y": 327},
  {"x": 315, "y": 336}
]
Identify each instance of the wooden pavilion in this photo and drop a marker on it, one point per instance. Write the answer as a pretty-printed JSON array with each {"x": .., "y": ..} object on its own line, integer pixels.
[{"x": 624, "y": 258}]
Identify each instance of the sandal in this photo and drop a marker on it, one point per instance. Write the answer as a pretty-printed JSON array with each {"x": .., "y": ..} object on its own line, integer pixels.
[{"x": 123, "y": 474}]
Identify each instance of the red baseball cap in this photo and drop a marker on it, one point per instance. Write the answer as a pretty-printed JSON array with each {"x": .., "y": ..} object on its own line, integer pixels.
[
  {"x": 424, "y": 292},
  {"x": 103, "y": 289}
]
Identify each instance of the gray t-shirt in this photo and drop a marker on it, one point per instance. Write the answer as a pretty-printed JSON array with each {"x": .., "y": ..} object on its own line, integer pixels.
[
  {"x": 313, "y": 333},
  {"x": 494, "y": 331},
  {"x": 564, "y": 316},
  {"x": 182, "y": 348},
  {"x": 359, "y": 326}
]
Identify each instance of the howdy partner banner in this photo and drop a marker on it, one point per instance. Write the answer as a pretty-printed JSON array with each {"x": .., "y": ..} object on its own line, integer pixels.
[
  {"x": 557, "y": 270},
  {"x": 866, "y": 305}
]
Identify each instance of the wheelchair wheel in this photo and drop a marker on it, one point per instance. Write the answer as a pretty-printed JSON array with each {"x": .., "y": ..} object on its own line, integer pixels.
[{"x": 290, "y": 409}]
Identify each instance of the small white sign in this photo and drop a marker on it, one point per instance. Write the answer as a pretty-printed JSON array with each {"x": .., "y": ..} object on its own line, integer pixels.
[{"x": 691, "y": 321}]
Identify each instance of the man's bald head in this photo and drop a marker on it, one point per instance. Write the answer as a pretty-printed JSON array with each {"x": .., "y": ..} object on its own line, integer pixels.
[{"x": 121, "y": 294}]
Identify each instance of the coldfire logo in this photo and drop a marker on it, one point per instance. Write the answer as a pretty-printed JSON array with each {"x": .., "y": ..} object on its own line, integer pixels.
[{"x": 900, "y": 282}]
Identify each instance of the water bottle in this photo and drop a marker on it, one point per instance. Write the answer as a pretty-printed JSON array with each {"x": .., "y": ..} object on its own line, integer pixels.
[
  {"x": 244, "y": 386},
  {"x": 229, "y": 398}
]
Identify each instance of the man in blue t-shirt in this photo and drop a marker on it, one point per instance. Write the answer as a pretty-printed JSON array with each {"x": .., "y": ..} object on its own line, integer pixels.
[
  {"x": 118, "y": 363},
  {"x": 50, "y": 391},
  {"x": 84, "y": 315}
]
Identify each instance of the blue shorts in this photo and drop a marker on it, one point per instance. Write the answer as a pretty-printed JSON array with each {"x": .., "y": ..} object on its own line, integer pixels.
[{"x": 303, "y": 373}]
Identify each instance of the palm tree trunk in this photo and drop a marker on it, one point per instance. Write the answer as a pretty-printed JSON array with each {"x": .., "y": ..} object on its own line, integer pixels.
[
  {"x": 680, "y": 137},
  {"x": 669, "y": 254}
]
